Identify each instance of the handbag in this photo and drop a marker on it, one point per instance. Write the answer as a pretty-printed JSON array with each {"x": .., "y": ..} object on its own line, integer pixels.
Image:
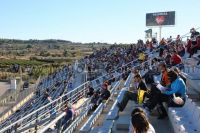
[
  {"x": 140, "y": 97},
  {"x": 177, "y": 100}
]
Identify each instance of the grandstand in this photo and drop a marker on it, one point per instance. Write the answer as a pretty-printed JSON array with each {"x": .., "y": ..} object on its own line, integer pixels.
[{"x": 46, "y": 110}]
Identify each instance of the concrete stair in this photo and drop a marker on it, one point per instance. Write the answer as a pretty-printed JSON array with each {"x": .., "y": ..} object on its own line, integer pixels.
[
  {"x": 121, "y": 125},
  {"x": 194, "y": 84}
]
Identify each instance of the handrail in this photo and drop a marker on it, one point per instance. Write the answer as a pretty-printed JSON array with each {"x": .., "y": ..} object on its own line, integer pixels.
[
  {"x": 60, "y": 98},
  {"x": 52, "y": 122},
  {"x": 70, "y": 129},
  {"x": 117, "y": 83},
  {"x": 96, "y": 113},
  {"x": 43, "y": 107}
]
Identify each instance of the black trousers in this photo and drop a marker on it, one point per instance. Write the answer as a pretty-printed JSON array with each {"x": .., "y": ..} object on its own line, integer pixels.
[
  {"x": 194, "y": 49},
  {"x": 157, "y": 98},
  {"x": 127, "y": 96},
  {"x": 161, "y": 52}
]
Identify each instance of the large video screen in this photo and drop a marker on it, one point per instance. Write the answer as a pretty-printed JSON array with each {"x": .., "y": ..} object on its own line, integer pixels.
[{"x": 160, "y": 18}]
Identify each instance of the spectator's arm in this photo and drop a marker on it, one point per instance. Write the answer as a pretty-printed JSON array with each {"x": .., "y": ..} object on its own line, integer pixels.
[{"x": 173, "y": 89}]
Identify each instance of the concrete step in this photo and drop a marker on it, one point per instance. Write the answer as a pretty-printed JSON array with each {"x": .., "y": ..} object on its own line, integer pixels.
[
  {"x": 195, "y": 84},
  {"x": 161, "y": 126},
  {"x": 193, "y": 94},
  {"x": 123, "y": 123}
]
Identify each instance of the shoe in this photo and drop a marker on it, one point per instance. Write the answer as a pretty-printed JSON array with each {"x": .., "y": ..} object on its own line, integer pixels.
[
  {"x": 161, "y": 117},
  {"x": 119, "y": 106},
  {"x": 147, "y": 106}
]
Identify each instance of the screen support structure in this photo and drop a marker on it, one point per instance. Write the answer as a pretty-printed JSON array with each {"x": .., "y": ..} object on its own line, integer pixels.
[{"x": 160, "y": 32}]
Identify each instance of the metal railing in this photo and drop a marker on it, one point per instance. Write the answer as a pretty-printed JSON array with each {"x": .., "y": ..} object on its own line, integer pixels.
[
  {"x": 34, "y": 117},
  {"x": 25, "y": 112},
  {"x": 71, "y": 97}
]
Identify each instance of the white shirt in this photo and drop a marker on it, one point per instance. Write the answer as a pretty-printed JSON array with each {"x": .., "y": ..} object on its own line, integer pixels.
[{"x": 150, "y": 130}]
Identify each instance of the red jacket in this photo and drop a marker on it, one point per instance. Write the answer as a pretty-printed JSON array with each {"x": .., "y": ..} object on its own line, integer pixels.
[
  {"x": 176, "y": 59},
  {"x": 189, "y": 44}
]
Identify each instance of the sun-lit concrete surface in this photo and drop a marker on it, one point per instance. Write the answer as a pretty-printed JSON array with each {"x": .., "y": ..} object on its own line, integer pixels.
[{"x": 4, "y": 86}]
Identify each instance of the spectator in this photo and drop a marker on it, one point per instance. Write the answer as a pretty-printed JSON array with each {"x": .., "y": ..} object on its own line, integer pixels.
[
  {"x": 162, "y": 47},
  {"x": 175, "y": 59},
  {"x": 141, "y": 56},
  {"x": 135, "y": 71},
  {"x": 68, "y": 117},
  {"x": 154, "y": 43},
  {"x": 94, "y": 103},
  {"x": 180, "y": 74},
  {"x": 177, "y": 87},
  {"x": 105, "y": 94},
  {"x": 178, "y": 39},
  {"x": 70, "y": 85},
  {"x": 140, "y": 123},
  {"x": 46, "y": 94},
  {"x": 169, "y": 40},
  {"x": 188, "y": 47},
  {"x": 167, "y": 58},
  {"x": 111, "y": 80},
  {"x": 194, "y": 37},
  {"x": 164, "y": 81},
  {"x": 90, "y": 91},
  {"x": 181, "y": 50},
  {"x": 132, "y": 95},
  {"x": 52, "y": 109},
  {"x": 164, "y": 77}
]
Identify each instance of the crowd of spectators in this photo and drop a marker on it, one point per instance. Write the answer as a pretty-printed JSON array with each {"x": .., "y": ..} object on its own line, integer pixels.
[
  {"x": 170, "y": 54},
  {"x": 170, "y": 89},
  {"x": 168, "y": 63}
]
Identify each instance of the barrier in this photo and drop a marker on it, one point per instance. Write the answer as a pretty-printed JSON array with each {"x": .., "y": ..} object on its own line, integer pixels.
[
  {"x": 79, "y": 92},
  {"x": 88, "y": 125},
  {"x": 69, "y": 97}
]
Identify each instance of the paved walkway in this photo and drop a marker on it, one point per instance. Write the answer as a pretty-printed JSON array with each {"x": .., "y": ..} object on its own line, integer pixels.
[{"x": 4, "y": 86}]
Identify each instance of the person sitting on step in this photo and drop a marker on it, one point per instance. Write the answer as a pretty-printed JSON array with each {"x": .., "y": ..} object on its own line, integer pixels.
[
  {"x": 141, "y": 85},
  {"x": 176, "y": 89}
]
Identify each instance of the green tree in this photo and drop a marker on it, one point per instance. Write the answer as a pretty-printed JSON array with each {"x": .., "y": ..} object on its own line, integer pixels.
[
  {"x": 29, "y": 46},
  {"x": 65, "y": 53}
]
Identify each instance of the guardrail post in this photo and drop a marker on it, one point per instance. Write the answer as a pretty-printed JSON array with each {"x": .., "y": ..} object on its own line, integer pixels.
[
  {"x": 15, "y": 127},
  {"x": 58, "y": 126},
  {"x": 84, "y": 89},
  {"x": 36, "y": 123},
  {"x": 70, "y": 98}
]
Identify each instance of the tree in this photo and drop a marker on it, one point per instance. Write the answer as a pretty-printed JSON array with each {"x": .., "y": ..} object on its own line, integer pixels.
[
  {"x": 65, "y": 53},
  {"x": 29, "y": 46}
]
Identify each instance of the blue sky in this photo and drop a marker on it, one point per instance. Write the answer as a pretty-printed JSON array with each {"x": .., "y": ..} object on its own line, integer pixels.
[{"x": 121, "y": 21}]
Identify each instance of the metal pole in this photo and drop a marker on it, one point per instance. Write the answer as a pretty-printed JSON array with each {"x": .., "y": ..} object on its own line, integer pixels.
[
  {"x": 36, "y": 122},
  {"x": 160, "y": 32}
]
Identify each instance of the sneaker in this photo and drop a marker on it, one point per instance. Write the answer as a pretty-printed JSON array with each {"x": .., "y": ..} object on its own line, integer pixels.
[
  {"x": 119, "y": 106},
  {"x": 162, "y": 117}
]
